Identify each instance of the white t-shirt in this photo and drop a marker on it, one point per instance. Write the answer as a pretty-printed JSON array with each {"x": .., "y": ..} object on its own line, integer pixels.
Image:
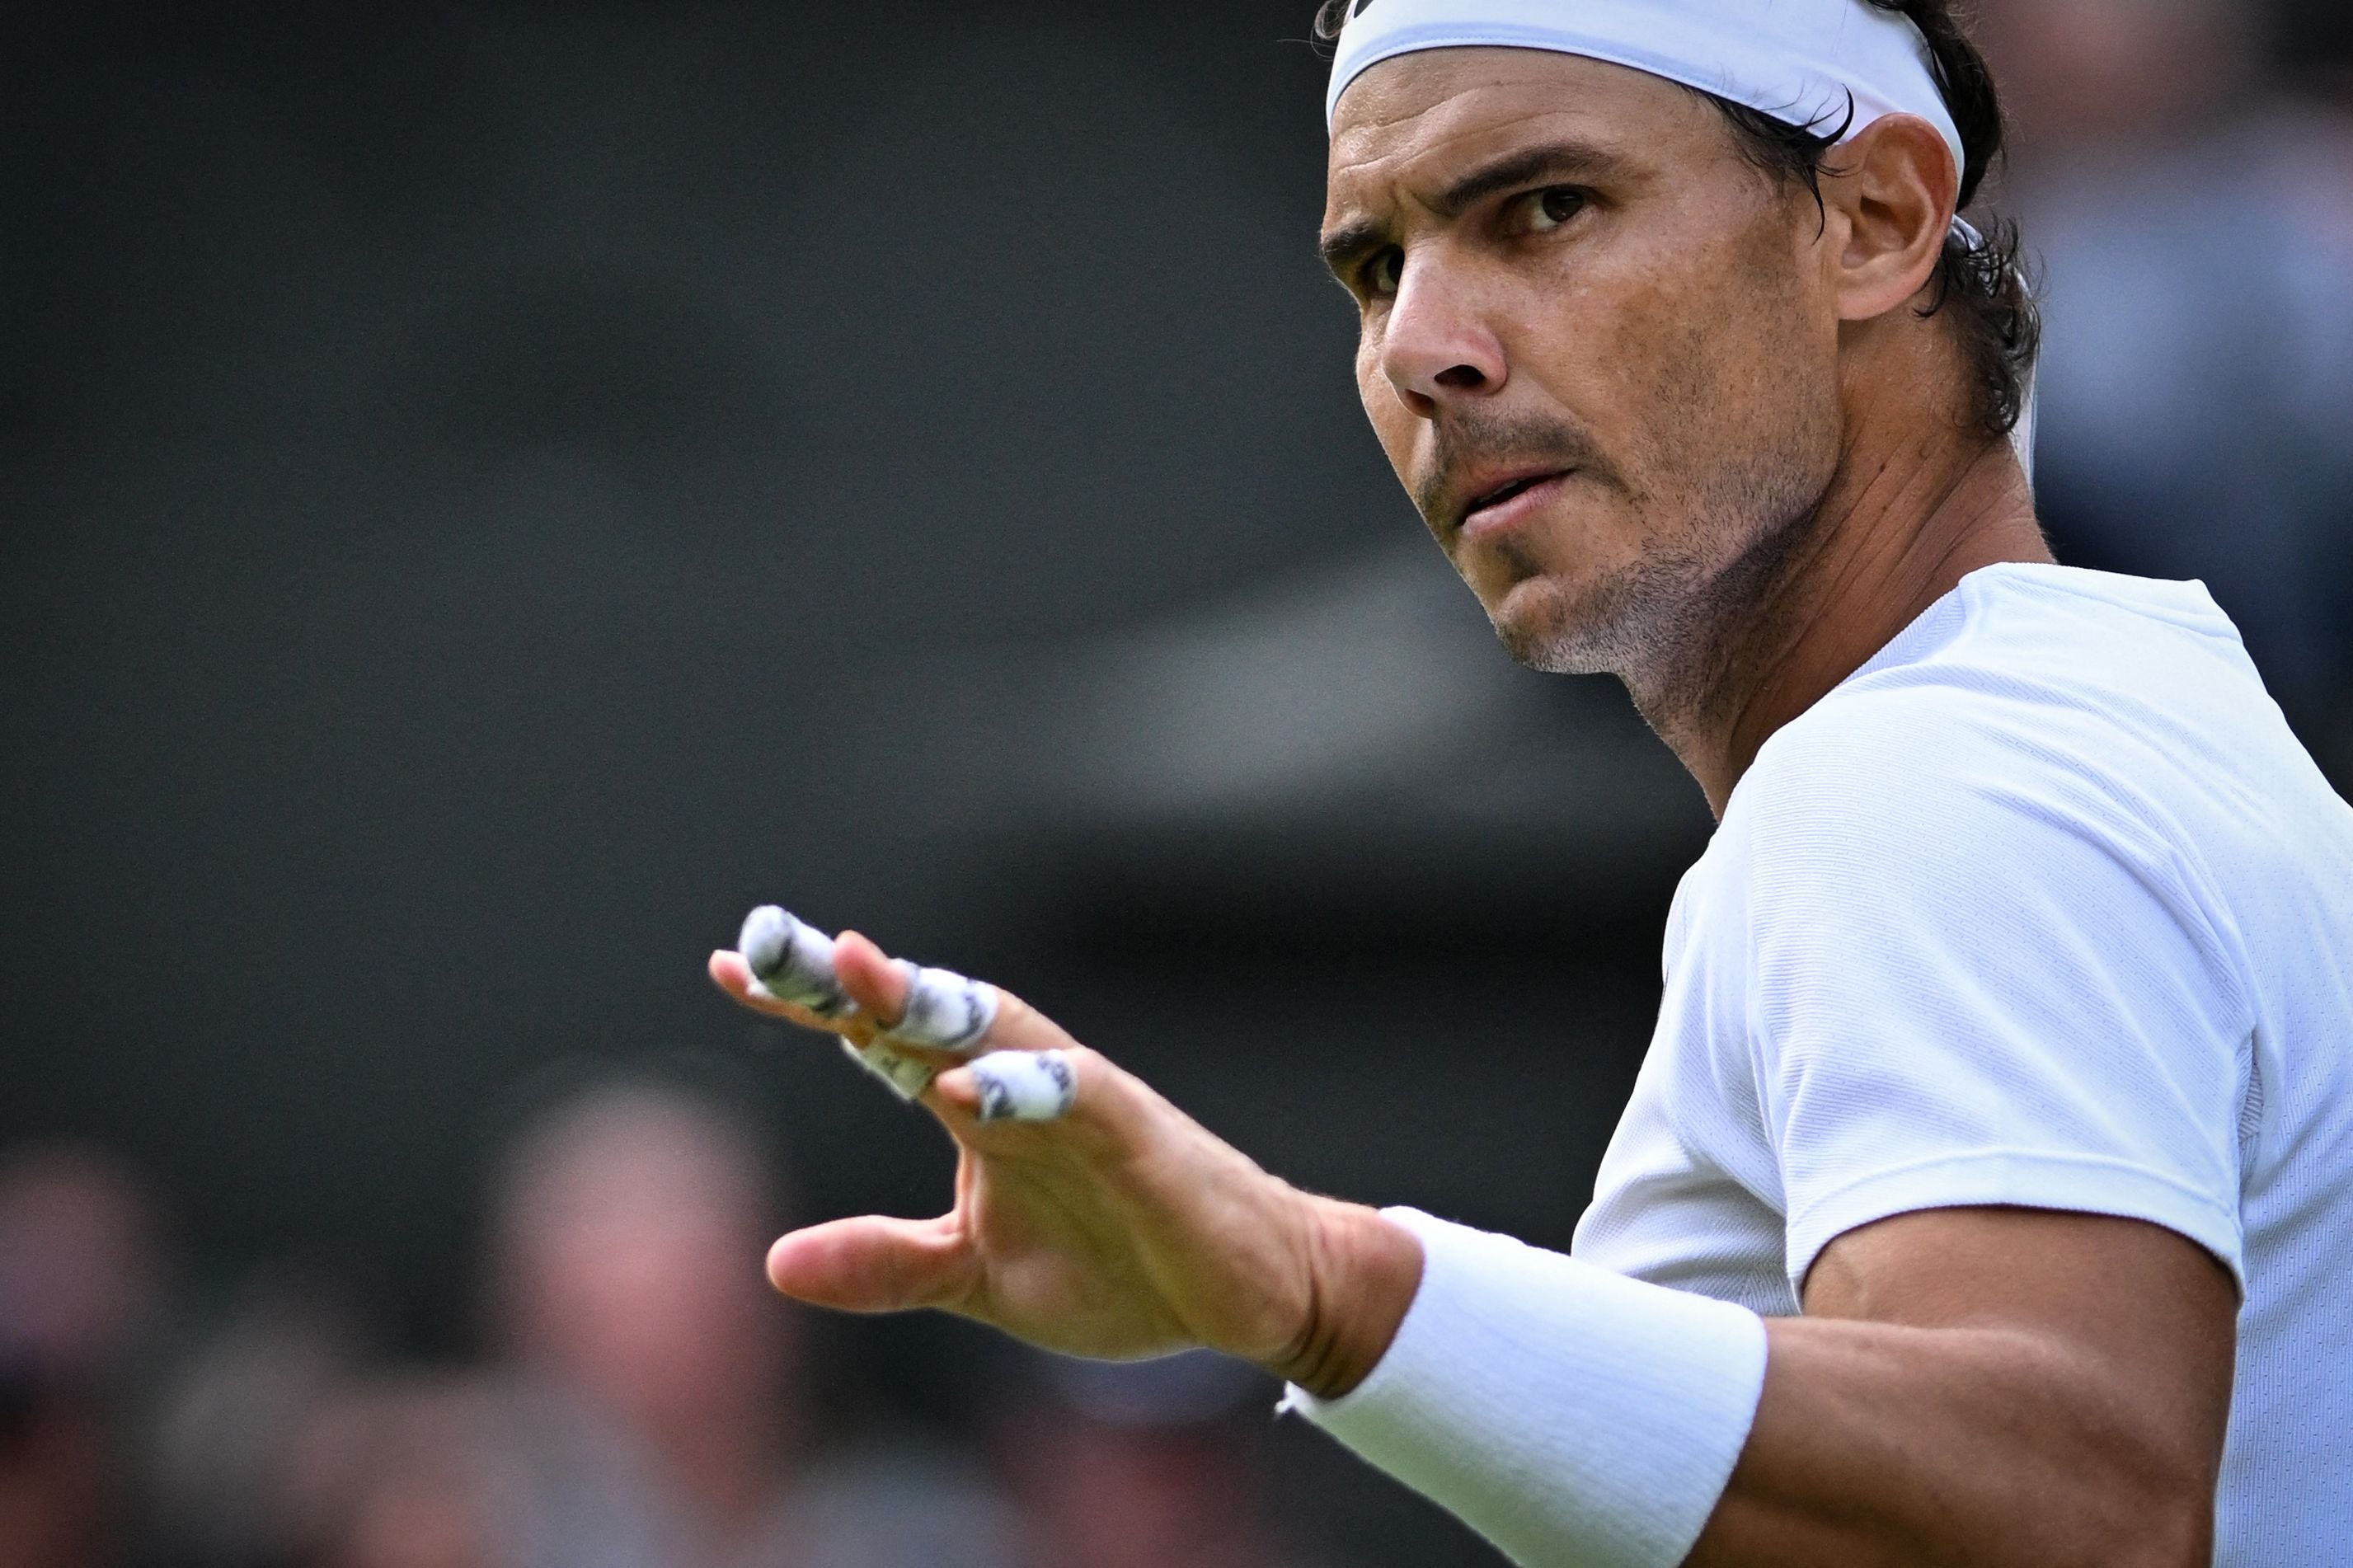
[{"x": 2045, "y": 905}]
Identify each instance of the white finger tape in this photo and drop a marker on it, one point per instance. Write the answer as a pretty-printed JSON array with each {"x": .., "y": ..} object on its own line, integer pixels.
[
  {"x": 945, "y": 1010},
  {"x": 1025, "y": 1086},
  {"x": 906, "y": 1077},
  {"x": 792, "y": 961}
]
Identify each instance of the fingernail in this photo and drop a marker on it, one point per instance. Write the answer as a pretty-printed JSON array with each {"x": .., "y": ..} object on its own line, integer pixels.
[{"x": 1024, "y": 1086}]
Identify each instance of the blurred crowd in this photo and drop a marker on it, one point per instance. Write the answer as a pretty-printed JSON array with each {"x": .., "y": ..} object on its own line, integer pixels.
[
  {"x": 634, "y": 1396},
  {"x": 2184, "y": 172},
  {"x": 640, "y": 1400}
]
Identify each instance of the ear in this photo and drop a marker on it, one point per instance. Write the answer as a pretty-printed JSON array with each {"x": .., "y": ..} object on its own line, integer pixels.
[{"x": 1890, "y": 194}]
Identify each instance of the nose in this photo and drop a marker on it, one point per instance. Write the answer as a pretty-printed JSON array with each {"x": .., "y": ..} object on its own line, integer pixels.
[{"x": 1434, "y": 347}]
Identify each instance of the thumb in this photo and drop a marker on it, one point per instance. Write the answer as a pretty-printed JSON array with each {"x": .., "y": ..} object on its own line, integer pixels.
[{"x": 874, "y": 1265}]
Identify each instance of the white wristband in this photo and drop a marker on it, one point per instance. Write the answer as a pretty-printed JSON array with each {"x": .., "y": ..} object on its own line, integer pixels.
[{"x": 1574, "y": 1417}]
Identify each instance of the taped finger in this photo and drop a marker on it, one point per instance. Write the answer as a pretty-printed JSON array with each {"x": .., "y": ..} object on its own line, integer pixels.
[
  {"x": 944, "y": 1011},
  {"x": 906, "y": 1077},
  {"x": 1025, "y": 1086},
  {"x": 791, "y": 961}
]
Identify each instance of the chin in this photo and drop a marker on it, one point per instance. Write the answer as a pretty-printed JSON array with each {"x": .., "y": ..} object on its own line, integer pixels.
[{"x": 1549, "y": 626}]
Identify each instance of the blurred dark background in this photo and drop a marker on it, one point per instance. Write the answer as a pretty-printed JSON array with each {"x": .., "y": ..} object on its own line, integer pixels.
[{"x": 493, "y": 491}]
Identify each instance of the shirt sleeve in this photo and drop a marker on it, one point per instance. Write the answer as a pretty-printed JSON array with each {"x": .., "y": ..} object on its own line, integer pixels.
[{"x": 1989, "y": 984}]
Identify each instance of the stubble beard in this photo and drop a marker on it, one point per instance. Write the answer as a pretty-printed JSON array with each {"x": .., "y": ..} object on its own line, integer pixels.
[{"x": 1671, "y": 626}]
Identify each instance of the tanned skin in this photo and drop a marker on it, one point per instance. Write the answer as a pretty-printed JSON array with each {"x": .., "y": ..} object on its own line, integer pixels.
[{"x": 1756, "y": 466}]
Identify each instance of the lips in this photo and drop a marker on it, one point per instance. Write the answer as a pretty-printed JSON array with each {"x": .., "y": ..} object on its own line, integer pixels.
[
  {"x": 1504, "y": 492},
  {"x": 1493, "y": 506}
]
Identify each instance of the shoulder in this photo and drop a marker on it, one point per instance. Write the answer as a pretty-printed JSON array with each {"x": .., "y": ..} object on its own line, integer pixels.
[
  {"x": 2046, "y": 735},
  {"x": 2037, "y": 695}
]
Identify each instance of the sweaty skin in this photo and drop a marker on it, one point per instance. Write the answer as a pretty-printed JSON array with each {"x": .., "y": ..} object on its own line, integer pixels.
[{"x": 1752, "y": 465}]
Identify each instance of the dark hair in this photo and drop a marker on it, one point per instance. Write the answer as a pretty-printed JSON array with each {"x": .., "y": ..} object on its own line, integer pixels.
[{"x": 1993, "y": 311}]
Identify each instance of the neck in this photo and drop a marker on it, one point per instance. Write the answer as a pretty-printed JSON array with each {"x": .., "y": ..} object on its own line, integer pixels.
[{"x": 1898, "y": 530}]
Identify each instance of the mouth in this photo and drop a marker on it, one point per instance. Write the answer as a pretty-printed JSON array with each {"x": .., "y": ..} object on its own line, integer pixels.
[{"x": 1495, "y": 508}]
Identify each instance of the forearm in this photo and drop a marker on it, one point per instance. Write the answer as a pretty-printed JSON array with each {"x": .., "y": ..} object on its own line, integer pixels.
[{"x": 1574, "y": 1417}]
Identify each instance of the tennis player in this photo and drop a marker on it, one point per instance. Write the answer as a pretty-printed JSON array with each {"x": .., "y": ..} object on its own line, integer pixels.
[{"x": 1985, "y": 1196}]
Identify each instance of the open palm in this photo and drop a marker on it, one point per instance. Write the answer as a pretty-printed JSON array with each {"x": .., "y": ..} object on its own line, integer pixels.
[{"x": 1123, "y": 1229}]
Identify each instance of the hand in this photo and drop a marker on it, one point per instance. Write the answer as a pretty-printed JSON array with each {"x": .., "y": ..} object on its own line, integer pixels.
[{"x": 1122, "y": 1230}]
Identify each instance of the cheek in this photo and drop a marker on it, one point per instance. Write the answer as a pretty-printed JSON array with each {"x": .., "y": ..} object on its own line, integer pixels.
[
  {"x": 1394, "y": 424},
  {"x": 1373, "y": 388},
  {"x": 1702, "y": 362}
]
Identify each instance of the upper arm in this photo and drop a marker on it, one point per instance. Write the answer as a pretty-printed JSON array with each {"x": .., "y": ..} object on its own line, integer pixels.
[
  {"x": 2001, "y": 1059},
  {"x": 1990, "y": 985},
  {"x": 2111, "y": 1342},
  {"x": 2143, "y": 1311},
  {"x": 1990, "y": 1387}
]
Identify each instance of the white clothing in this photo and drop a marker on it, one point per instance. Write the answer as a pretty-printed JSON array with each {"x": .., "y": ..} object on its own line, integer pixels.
[
  {"x": 1823, "y": 65},
  {"x": 2044, "y": 907},
  {"x": 1574, "y": 1417}
]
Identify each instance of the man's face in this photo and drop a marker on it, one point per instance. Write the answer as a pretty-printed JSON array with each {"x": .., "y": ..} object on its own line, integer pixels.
[{"x": 1598, "y": 345}]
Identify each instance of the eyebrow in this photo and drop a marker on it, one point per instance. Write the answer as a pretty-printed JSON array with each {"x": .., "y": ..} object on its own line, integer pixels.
[{"x": 1529, "y": 165}]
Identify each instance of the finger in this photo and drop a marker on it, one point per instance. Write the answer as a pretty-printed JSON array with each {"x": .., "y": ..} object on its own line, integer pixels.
[
  {"x": 870, "y": 978},
  {"x": 1013, "y": 1085},
  {"x": 792, "y": 960},
  {"x": 875, "y": 1265},
  {"x": 918, "y": 1007},
  {"x": 906, "y": 1073},
  {"x": 945, "y": 1010},
  {"x": 879, "y": 984},
  {"x": 877, "y": 987},
  {"x": 732, "y": 973},
  {"x": 785, "y": 968}
]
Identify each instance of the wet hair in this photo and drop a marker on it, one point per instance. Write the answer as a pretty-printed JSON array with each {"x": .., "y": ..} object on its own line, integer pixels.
[{"x": 1980, "y": 287}]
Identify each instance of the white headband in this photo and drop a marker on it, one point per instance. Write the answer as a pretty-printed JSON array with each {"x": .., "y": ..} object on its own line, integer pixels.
[
  {"x": 1797, "y": 61},
  {"x": 1802, "y": 62}
]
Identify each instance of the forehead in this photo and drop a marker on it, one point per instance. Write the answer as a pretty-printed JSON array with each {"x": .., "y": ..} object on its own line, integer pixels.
[{"x": 1418, "y": 116}]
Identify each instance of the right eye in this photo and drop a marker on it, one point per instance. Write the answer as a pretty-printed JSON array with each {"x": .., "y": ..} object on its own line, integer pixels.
[{"x": 1384, "y": 272}]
